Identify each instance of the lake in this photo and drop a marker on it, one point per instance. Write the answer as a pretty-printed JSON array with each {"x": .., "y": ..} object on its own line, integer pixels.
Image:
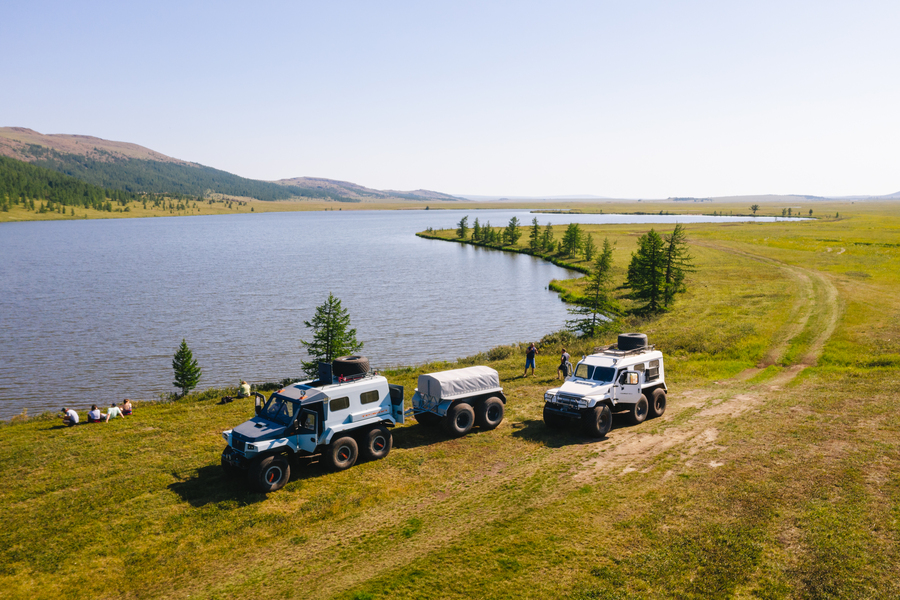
[{"x": 93, "y": 311}]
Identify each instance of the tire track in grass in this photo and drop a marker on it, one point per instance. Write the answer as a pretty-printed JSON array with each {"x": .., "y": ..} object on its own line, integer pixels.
[
  {"x": 635, "y": 450},
  {"x": 524, "y": 478}
]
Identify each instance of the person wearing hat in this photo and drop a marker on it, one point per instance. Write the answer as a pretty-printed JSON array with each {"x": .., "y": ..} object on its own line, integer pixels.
[
  {"x": 245, "y": 390},
  {"x": 70, "y": 417}
]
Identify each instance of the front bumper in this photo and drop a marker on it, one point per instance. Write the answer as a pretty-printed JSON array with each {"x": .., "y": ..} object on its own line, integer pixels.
[
  {"x": 234, "y": 458},
  {"x": 563, "y": 410}
]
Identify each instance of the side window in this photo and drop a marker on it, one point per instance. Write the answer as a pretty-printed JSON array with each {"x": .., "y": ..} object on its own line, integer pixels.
[
  {"x": 339, "y": 404},
  {"x": 369, "y": 397},
  {"x": 639, "y": 367},
  {"x": 308, "y": 420}
]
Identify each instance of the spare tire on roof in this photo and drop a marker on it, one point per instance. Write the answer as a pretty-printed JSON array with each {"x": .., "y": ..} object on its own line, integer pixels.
[
  {"x": 349, "y": 366},
  {"x": 630, "y": 341}
]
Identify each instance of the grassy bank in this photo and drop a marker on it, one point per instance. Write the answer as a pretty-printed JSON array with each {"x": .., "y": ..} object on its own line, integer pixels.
[
  {"x": 773, "y": 473},
  {"x": 222, "y": 205}
]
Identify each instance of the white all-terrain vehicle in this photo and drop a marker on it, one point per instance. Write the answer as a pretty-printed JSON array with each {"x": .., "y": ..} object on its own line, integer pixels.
[
  {"x": 343, "y": 414},
  {"x": 624, "y": 376}
]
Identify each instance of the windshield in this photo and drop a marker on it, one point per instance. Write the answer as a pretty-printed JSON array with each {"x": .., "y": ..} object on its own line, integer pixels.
[
  {"x": 602, "y": 374},
  {"x": 279, "y": 409}
]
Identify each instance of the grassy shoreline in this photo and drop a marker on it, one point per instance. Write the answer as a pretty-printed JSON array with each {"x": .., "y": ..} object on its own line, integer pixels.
[
  {"x": 225, "y": 206},
  {"x": 775, "y": 472}
]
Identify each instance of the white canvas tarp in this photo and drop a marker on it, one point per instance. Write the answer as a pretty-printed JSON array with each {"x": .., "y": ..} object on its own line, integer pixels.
[{"x": 459, "y": 382}]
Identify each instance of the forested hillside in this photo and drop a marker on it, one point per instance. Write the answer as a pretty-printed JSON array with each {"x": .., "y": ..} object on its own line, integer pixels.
[
  {"x": 24, "y": 183},
  {"x": 150, "y": 176}
]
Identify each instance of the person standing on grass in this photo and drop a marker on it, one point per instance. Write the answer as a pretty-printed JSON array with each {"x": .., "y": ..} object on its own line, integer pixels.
[
  {"x": 563, "y": 365},
  {"x": 529, "y": 359},
  {"x": 70, "y": 417},
  {"x": 113, "y": 412}
]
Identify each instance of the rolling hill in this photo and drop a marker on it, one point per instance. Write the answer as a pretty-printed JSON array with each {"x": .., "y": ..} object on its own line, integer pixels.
[{"x": 133, "y": 168}]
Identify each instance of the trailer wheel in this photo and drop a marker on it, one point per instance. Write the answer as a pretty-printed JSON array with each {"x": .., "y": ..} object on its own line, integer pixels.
[
  {"x": 553, "y": 420},
  {"x": 638, "y": 412},
  {"x": 597, "y": 421},
  {"x": 341, "y": 453},
  {"x": 376, "y": 443},
  {"x": 657, "y": 402},
  {"x": 459, "y": 420},
  {"x": 270, "y": 473},
  {"x": 490, "y": 413},
  {"x": 427, "y": 418}
]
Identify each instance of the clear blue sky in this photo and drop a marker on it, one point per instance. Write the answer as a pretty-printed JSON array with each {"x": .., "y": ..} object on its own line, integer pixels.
[{"x": 636, "y": 99}]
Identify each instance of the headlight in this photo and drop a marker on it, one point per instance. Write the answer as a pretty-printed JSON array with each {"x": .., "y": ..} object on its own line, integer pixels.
[
  {"x": 548, "y": 397},
  {"x": 225, "y": 435},
  {"x": 251, "y": 447}
]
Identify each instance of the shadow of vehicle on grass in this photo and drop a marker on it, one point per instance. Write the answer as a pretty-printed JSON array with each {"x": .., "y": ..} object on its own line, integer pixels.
[{"x": 535, "y": 430}]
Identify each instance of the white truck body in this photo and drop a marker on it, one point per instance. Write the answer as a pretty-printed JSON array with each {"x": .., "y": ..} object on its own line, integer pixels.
[{"x": 610, "y": 380}]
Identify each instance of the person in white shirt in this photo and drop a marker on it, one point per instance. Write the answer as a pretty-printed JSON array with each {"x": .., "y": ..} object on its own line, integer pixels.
[{"x": 70, "y": 417}]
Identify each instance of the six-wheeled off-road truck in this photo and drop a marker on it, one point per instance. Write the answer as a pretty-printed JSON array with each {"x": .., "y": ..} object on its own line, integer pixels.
[
  {"x": 628, "y": 376},
  {"x": 343, "y": 414}
]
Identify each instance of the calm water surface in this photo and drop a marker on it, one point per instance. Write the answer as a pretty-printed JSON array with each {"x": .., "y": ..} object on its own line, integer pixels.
[{"x": 92, "y": 311}]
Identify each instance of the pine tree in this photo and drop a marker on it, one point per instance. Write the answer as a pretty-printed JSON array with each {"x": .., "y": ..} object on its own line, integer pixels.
[
  {"x": 678, "y": 264},
  {"x": 534, "y": 239},
  {"x": 187, "y": 372},
  {"x": 646, "y": 272},
  {"x": 589, "y": 247},
  {"x": 598, "y": 306},
  {"x": 476, "y": 231},
  {"x": 547, "y": 239},
  {"x": 462, "y": 228},
  {"x": 511, "y": 233},
  {"x": 571, "y": 241},
  {"x": 332, "y": 336}
]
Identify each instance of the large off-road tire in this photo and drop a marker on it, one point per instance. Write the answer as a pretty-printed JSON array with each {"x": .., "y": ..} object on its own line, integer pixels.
[
  {"x": 269, "y": 473},
  {"x": 428, "y": 419},
  {"x": 376, "y": 443},
  {"x": 630, "y": 341},
  {"x": 459, "y": 420},
  {"x": 638, "y": 411},
  {"x": 341, "y": 454},
  {"x": 596, "y": 421},
  {"x": 657, "y": 402},
  {"x": 553, "y": 420},
  {"x": 489, "y": 413},
  {"x": 348, "y": 366}
]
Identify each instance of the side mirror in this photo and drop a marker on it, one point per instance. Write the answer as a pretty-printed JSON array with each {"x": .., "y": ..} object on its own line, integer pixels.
[{"x": 259, "y": 400}]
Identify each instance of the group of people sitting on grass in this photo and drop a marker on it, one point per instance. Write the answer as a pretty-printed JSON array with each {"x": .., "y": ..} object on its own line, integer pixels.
[{"x": 70, "y": 416}]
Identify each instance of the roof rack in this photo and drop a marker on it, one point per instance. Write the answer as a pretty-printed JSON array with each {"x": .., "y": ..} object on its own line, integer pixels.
[{"x": 614, "y": 349}]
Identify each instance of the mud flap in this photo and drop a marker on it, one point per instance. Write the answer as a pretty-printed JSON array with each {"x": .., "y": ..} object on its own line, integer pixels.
[{"x": 397, "y": 403}]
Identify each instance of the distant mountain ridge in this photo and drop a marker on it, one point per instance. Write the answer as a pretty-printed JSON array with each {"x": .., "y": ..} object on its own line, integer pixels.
[
  {"x": 133, "y": 168},
  {"x": 353, "y": 190}
]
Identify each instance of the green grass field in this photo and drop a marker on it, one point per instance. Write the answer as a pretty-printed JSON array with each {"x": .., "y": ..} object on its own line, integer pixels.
[{"x": 775, "y": 472}]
